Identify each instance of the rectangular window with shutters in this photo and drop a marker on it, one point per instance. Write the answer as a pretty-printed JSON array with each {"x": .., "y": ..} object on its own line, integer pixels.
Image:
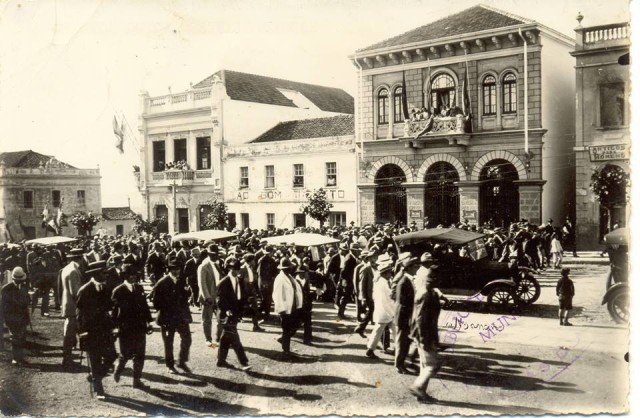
[
  {"x": 27, "y": 199},
  {"x": 298, "y": 175},
  {"x": 55, "y": 198},
  {"x": 299, "y": 220},
  {"x": 119, "y": 229},
  {"x": 158, "y": 156},
  {"x": 81, "y": 197},
  {"x": 269, "y": 177},
  {"x": 231, "y": 218},
  {"x": 338, "y": 219},
  {"x": 244, "y": 220},
  {"x": 244, "y": 177},
  {"x": 612, "y": 105},
  {"x": 332, "y": 174},
  {"x": 203, "y": 152},
  {"x": 271, "y": 220}
]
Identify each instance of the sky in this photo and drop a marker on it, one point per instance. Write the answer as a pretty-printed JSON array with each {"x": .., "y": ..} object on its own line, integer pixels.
[{"x": 67, "y": 67}]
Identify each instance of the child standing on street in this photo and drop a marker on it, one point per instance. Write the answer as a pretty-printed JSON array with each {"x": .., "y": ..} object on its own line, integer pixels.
[
  {"x": 556, "y": 251},
  {"x": 565, "y": 292}
]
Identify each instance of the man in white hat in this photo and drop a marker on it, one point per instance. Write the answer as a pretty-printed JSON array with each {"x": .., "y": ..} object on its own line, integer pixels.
[
  {"x": 384, "y": 307},
  {"x": 71, "y": 280},
  {"x": 14, "y": 302}
]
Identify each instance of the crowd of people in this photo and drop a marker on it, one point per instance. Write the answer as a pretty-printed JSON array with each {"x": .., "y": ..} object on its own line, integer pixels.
[{"x": 97, "y": 284}]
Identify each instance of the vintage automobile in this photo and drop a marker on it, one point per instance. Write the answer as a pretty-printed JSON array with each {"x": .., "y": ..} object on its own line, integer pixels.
[
  {"x": 467, "y": 276},
  {"x": 617, "y": 292}
]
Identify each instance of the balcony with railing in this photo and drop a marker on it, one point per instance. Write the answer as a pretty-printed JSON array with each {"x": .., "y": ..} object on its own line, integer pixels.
[
  {"x": 179, "y": 178},
  {"x": 189, "y": 99},
  {"x": 603, "y": 36}
]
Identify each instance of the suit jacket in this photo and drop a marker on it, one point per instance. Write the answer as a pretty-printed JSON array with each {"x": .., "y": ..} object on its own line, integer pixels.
[
  {"x": 114, "y": 279},
  {"x": 267, "y": 270},
  {"x": 307, "y": 294},
  {"x": 130, "y": 310},
  {"x": 171, "y": 300},
  {"x": 190, "y": 272},
  {"x": 94, "y": 316},
  {"x": 155, "y": 265},
  {"x": 208, "y": 278},
  {"x": 404, "y": 297},
  {"x": 252, "y": 288},
  {"x": 228, "y": 301},
  {"x": 14, "y": 302},
  {"x": 356, "y": 280},
  {"x": 71, "y": 280},
  {"x": 366, "y": 283},
  {"x": 333, "y": 268},
  {"x": 346, "y": 275},
  {"x": 284, "y": 294}
]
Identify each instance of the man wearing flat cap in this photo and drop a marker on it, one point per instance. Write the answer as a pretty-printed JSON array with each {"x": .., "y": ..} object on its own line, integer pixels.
[
  {"x": 70, "y": 282},
  {"x": 14, "y": 303},
  {"x": 95, "y": 325}
]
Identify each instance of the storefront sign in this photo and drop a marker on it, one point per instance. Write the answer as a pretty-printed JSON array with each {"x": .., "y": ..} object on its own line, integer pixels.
[
  {"x": 609, "y": 152},
  {"x": 470, "y": 215},
  {"x": 415, "y": 214}
]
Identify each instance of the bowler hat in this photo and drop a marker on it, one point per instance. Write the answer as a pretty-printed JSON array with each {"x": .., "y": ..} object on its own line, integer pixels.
[
  {"x": 18, "y": 274},
  {"x": 75, "y": 253},
  {"x": 285, "y": 263}
]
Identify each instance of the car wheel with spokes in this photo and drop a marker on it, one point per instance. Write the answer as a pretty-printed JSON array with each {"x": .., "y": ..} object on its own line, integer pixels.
[
  {"x": 501, "y": 298},
  {"x": 527, "y": 290},
  {"x": 618, "y": 306}
]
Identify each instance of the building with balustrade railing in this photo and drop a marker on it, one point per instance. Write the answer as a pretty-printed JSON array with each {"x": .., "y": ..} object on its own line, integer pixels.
[
  {"x": 185, "y": 135},
  {"x": 602, "y": 126},
  {"x": 29, "y": 181},
  {"x": 488, "y": 128}
]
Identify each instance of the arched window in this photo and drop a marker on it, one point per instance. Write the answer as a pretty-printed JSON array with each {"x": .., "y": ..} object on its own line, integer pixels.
[
  {"x": 383, "y": 107},
  {"x": 489, "y": 95},
  {"x": 443, "y": 92},
  {"x": 398, "y": 115},
  {"x": 509, "y": 94}
]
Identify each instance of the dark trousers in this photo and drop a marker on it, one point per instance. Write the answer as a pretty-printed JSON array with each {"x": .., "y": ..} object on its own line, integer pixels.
[
  {"x": 267, "y": 299},
  {"x": 42, "y": 291},
  {"x": 304, "y": 319},
  {"x": 132, "y": 346},
  {"x": 18, "y": 333},
  {"x": 168, "y": 333},
  {"x": 342, "y": 298},
  {"x": 403, "y": 342},
  {"x": 254, "y": 310},
  {"x": 367, "y": 317},
  {"x": 100, "y": 359},
  {"x": 231, "y": 339},
  {"x": 290, "y": 324}
]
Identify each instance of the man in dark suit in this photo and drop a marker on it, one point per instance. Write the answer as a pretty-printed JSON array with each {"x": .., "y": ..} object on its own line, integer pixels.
[
  {"x": 404, "y": 295},
  {"x": 252, "y": 288},
  {"x": 14, "y": 304},
  {"x": 365, "y": 292},
  {"x": 114, "y": 276},
  {"x": 95, "y": 325},
  {"x": 171, "y": 300},
  {"x": 230, "y": 300},
  {"x": 304, "y": 314},
  {"x": 350, "y": 261},
  {"x": 133, "y": 320},
  {"x": 190, "y": 273},
  {"x": 155, "y": 263},
  {"x": 267, "y": 272}
]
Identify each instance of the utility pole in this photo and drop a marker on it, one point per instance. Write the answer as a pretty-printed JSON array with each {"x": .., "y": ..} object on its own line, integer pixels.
[{"x": 175, "y": 217}]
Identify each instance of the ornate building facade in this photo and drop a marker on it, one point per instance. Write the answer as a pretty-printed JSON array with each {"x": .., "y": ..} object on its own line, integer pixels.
[
  {"x": 185, "y": 135},
  {"x": 488, "y": 126},
  {"x": 268, "y": 178},
  {"x": 29, "y": 181},
  {"x": 602, "y": 126}
]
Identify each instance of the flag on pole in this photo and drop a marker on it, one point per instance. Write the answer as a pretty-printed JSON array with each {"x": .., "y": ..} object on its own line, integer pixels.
[
  {"x": 466, "y": 102},
  {"x": 118, "y": 130},
  {"x": 405, "y": 107},
  {"x": 428, "y": 93}
]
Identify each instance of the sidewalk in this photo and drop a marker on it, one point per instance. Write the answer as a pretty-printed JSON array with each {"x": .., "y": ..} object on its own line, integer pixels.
[{"x": 585, "y": 257}]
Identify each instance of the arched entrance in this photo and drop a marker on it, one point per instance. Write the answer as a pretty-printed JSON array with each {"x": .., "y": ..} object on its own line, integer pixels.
[
  {"x": 613, "y": 204},
  {"x": 499, "y": 198},
  {"x": 441, "y": 197},
  {"x": 391, "y": 196}
]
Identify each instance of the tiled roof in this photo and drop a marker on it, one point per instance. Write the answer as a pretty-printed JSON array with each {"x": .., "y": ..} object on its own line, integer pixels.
[
  {"x": 27, "y": 159},
  {"x": 309, "y": 128},
  {"x": 261, "y": 89},
  {"x": 118, "y": 214},
  {"x": 473, "y": 19}
]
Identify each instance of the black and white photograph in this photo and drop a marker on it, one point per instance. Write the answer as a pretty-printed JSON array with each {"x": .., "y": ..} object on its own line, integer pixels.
[{"x": 314, "y": 208}]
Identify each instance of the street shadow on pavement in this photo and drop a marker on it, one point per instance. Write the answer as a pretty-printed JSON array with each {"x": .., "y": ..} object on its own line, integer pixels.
[
  {"x": 489, "y": 370},
  {"x": 498, "y": 409},
  {"x": 308, "y": 380},
  {"x": 252, "y": 389}
]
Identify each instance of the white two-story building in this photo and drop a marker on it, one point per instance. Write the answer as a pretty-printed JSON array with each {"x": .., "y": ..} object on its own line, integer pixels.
[{"x": 185, "y": 135}]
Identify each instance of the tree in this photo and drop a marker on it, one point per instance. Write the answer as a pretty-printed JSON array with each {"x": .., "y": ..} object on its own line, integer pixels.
[
  {"x": 317, "y": 206},
  {"x": 84, "y": 222},
  {"x": 140, "y": 225},
  {"x": 218, "y": 217},
  {"x": 610, "y": 185}
]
